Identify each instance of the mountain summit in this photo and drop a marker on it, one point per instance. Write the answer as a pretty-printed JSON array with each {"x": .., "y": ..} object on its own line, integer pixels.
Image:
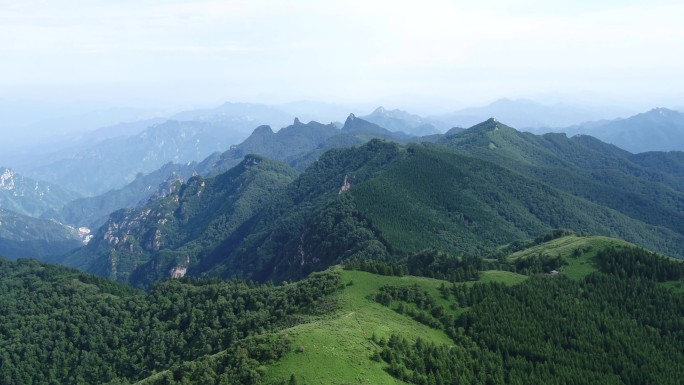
[{"x": 367, "y": 130}]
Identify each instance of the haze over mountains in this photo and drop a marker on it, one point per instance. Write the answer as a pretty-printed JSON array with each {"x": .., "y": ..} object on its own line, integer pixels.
[
  {"x": 130, "y": 164},
  {"x": 202, "y": 192},
  {"x": 529, "y": 115},
  {"x": 563, "y": 181},
  {"x": 128, "y": 150},
  {"x": 659, "y": 129}
]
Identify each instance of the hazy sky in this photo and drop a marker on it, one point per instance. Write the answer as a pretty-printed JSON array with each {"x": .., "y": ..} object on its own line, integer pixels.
[{"x": 443, "y": 52}]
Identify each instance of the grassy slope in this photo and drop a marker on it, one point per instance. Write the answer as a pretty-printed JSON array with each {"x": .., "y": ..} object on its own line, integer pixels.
[
  {"x": 582, "y": 265},
  {"x": 337, "y": 349},
  {"x": 676, "y": 286},
  {"x": 577, "y": 267}
]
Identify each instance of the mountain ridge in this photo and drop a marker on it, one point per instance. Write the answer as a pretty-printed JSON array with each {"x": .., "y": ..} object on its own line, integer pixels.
[
  {"x": 31, "y": 197},
  {"x": 479, "y": 188},
  {"x": 659, "y": 129}
]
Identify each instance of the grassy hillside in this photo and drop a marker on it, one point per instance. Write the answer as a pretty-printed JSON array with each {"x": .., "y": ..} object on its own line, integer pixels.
[
  {"x": 578, "y": 251},
  {"x": 341, "y": 327},
  {"x": 336, "y": 348},
  {"x": 506, "y": 325}
]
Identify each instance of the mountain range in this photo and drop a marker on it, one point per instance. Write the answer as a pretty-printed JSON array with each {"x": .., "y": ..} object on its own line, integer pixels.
[
  {"x": 230, "y": 123},
  {"x": 466, "y": 194},
  {"x": 401, "y": 121},
  {"x": 115, "y": 162},
  {"x": 351, "y": 253},
  {"x": 127, "y": 148},
  {"x": 130, "y": 145},
  {"x": 659, "y": 129},
  {"x": 299, "y": 145},
  {"x": 530, "y": 115}
]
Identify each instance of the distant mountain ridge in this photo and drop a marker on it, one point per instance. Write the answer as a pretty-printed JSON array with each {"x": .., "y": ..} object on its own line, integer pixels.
[
  {"x": 298, "y": 145},
  {"x": 237, "y": 113},
  {"x": 143, "y": 146},
  {"x": 529, "y": 115},
  {"x": 471, "y": 192},
  {"x": 401, "y": 121},
  {"x": 659, "y": 129},
  {"x": 93, "y": 211},
  {"x": 115, "y": 162},
  {"x": 30, "y": 197}
]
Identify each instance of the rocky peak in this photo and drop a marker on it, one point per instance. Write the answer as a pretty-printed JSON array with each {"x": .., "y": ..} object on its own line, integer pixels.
[
  {"x": 349, "y": 122},
  {"x": 170, "y": 185},
  {"x": 381, "y": 111},
  {"x": 262, "y": 130},
  {"x": 7, "y": 179},
  {"x": 663, "y": 112},
  {"x": 490, "y": 124}
]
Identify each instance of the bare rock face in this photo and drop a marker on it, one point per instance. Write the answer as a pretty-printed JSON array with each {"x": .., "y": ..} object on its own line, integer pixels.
[{"x": 7, "y": 179}]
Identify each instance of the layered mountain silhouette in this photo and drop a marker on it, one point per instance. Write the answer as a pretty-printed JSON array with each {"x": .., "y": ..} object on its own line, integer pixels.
[
  {"x": 298, "y": 145},
  {"x": 469, "y": 193},
  {"x": 401, "y": 121},
  {"x": 659, "y": 129},
  {"x": 530, "y": 115}
]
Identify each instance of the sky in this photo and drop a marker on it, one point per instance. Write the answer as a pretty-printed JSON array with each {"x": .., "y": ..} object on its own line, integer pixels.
[{"x": 430, "y": 53}]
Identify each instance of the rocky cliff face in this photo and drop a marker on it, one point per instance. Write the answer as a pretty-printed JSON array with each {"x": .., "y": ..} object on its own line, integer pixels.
[{"x": 170, "y": 236}]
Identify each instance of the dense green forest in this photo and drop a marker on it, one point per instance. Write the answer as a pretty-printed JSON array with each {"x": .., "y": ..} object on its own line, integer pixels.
[
  {"x": 621, "y": 324},
  {"x": 61, "y": 326},
  {"x": 617, "y": 326}
]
